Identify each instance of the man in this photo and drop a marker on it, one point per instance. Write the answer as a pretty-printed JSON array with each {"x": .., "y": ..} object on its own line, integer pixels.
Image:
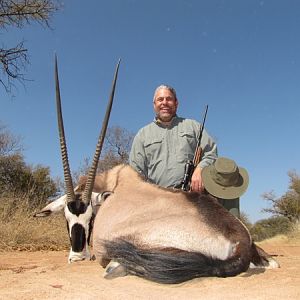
[
  {"x": 161, "y": 149},
  {"x": 227, "y": 182}
]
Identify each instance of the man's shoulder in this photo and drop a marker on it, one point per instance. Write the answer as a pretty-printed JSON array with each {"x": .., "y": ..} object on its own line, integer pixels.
[
  {"x": 186, "y": 122},
  {"x": 148, "y": 126},
  {"x": 146, "y": 129}
]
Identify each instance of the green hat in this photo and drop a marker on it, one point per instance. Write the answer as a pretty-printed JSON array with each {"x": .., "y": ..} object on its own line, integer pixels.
[{"x": 224, "y": 179}]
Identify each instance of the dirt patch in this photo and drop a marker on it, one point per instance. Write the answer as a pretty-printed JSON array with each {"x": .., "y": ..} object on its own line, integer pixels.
[{"x": 47, "y": 275}]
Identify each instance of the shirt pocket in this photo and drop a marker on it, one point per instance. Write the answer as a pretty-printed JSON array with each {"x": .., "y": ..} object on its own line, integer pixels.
[
  {"x": 154, "y": 151},
  {"x": 186, "y": 146}
]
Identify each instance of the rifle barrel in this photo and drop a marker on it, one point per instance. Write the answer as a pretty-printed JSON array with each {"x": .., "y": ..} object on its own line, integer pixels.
[{"x": 197, "y": 155}]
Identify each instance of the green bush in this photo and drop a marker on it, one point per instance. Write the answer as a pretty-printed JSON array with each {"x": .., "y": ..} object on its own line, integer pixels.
[
  {"x": 268, "y": 228},
  {"x": 18, "y": 180}
]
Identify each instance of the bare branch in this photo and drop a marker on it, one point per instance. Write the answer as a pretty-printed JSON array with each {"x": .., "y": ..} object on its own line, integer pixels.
[
  {"x": 13, "y": 61},
  {"x": 288, "y": 205},
  {"x": 19, "y": 13}
]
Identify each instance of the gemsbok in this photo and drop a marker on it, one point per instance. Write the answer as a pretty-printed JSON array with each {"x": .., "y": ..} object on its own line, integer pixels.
[{"x": 163, "y": 235}]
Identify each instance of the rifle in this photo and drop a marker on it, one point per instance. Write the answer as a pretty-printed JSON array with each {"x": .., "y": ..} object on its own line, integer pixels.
[{"x": 190, "y": 165}]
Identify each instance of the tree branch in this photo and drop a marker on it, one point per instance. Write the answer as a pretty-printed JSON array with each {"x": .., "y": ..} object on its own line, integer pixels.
[
  {"x": 19, "y": 13},
  {"x": 13, "y": 61}
]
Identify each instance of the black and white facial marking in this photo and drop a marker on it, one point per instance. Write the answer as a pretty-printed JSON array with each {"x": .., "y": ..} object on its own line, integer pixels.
[{"x": 80, "y": 217}]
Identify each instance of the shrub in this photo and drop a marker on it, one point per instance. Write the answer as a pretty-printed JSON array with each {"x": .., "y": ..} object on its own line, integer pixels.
[
  {"x": 268, "y": 228},
  {"x": 24, "y": 182}
]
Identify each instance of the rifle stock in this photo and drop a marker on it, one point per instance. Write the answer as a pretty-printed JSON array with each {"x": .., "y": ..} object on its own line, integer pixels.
[{"x": 197, "y": 156}]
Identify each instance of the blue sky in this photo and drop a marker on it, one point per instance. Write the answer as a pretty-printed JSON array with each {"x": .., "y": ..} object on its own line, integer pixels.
[{"x": 242, "y": 58}]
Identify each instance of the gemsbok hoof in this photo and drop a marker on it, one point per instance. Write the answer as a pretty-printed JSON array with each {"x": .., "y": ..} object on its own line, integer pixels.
[{"x": 114, "y": 270}]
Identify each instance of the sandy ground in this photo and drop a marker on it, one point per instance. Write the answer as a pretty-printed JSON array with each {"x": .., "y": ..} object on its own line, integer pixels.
[{"x": 47, "y": 275}]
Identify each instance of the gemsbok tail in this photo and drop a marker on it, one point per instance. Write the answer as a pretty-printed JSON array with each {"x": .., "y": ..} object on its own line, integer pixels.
[{"x": 170, "y": 265}]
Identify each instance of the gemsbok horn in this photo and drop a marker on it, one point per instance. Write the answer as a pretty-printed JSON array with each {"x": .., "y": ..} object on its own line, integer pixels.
[{"x": 77, "y": 204}]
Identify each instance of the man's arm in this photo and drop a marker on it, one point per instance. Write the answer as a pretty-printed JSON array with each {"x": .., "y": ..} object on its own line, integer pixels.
[
  {"x": 209, "y": 150},
  {"x": 137, "y": 156},
  {"x": 209, "y": 155}
]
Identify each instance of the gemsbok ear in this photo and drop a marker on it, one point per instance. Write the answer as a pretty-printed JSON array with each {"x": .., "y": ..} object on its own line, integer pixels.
[
  {"x": 53, "y": 207},
  {"x": 98, "y": 198}
]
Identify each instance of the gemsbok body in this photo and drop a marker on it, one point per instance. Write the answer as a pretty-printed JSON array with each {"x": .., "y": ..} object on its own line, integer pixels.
[{"x": 164, "y": 235}]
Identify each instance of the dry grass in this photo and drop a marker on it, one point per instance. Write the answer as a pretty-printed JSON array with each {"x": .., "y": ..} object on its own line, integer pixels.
[
  {"x": 293, "y": 237},
  {"x": 19, "y": 230}
]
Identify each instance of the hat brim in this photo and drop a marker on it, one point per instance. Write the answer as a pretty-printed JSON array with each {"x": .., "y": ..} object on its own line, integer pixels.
[{"x": 223, "y": 192}]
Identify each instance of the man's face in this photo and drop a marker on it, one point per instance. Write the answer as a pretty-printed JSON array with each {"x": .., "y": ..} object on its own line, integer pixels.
[{"x": 165, "y": 105}]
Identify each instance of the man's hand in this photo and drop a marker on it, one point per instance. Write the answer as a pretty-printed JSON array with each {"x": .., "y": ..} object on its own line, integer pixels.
[{"x": 196, "y": 181}]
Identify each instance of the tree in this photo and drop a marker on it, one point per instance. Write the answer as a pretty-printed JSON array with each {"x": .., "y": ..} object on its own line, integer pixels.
[
  {"x": 19, "y": 13},
  {"x": 9, "y": 143},
  {"x": 19, "y": 180},
  {"x": 288, "y": 205},
  {"x": 116, "y": 148}
]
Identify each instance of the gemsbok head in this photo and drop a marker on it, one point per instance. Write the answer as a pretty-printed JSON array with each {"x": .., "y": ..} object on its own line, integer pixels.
[
  {"x": 77, "y": 203},
  {"x": 163, "y": 235}
]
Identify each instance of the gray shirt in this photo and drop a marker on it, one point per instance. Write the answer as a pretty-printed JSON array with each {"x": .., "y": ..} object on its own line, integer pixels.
[{"x": 160, "y": 152}]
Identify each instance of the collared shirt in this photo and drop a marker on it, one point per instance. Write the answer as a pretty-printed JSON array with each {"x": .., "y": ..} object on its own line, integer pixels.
[{"x": 160, "y": 152}]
